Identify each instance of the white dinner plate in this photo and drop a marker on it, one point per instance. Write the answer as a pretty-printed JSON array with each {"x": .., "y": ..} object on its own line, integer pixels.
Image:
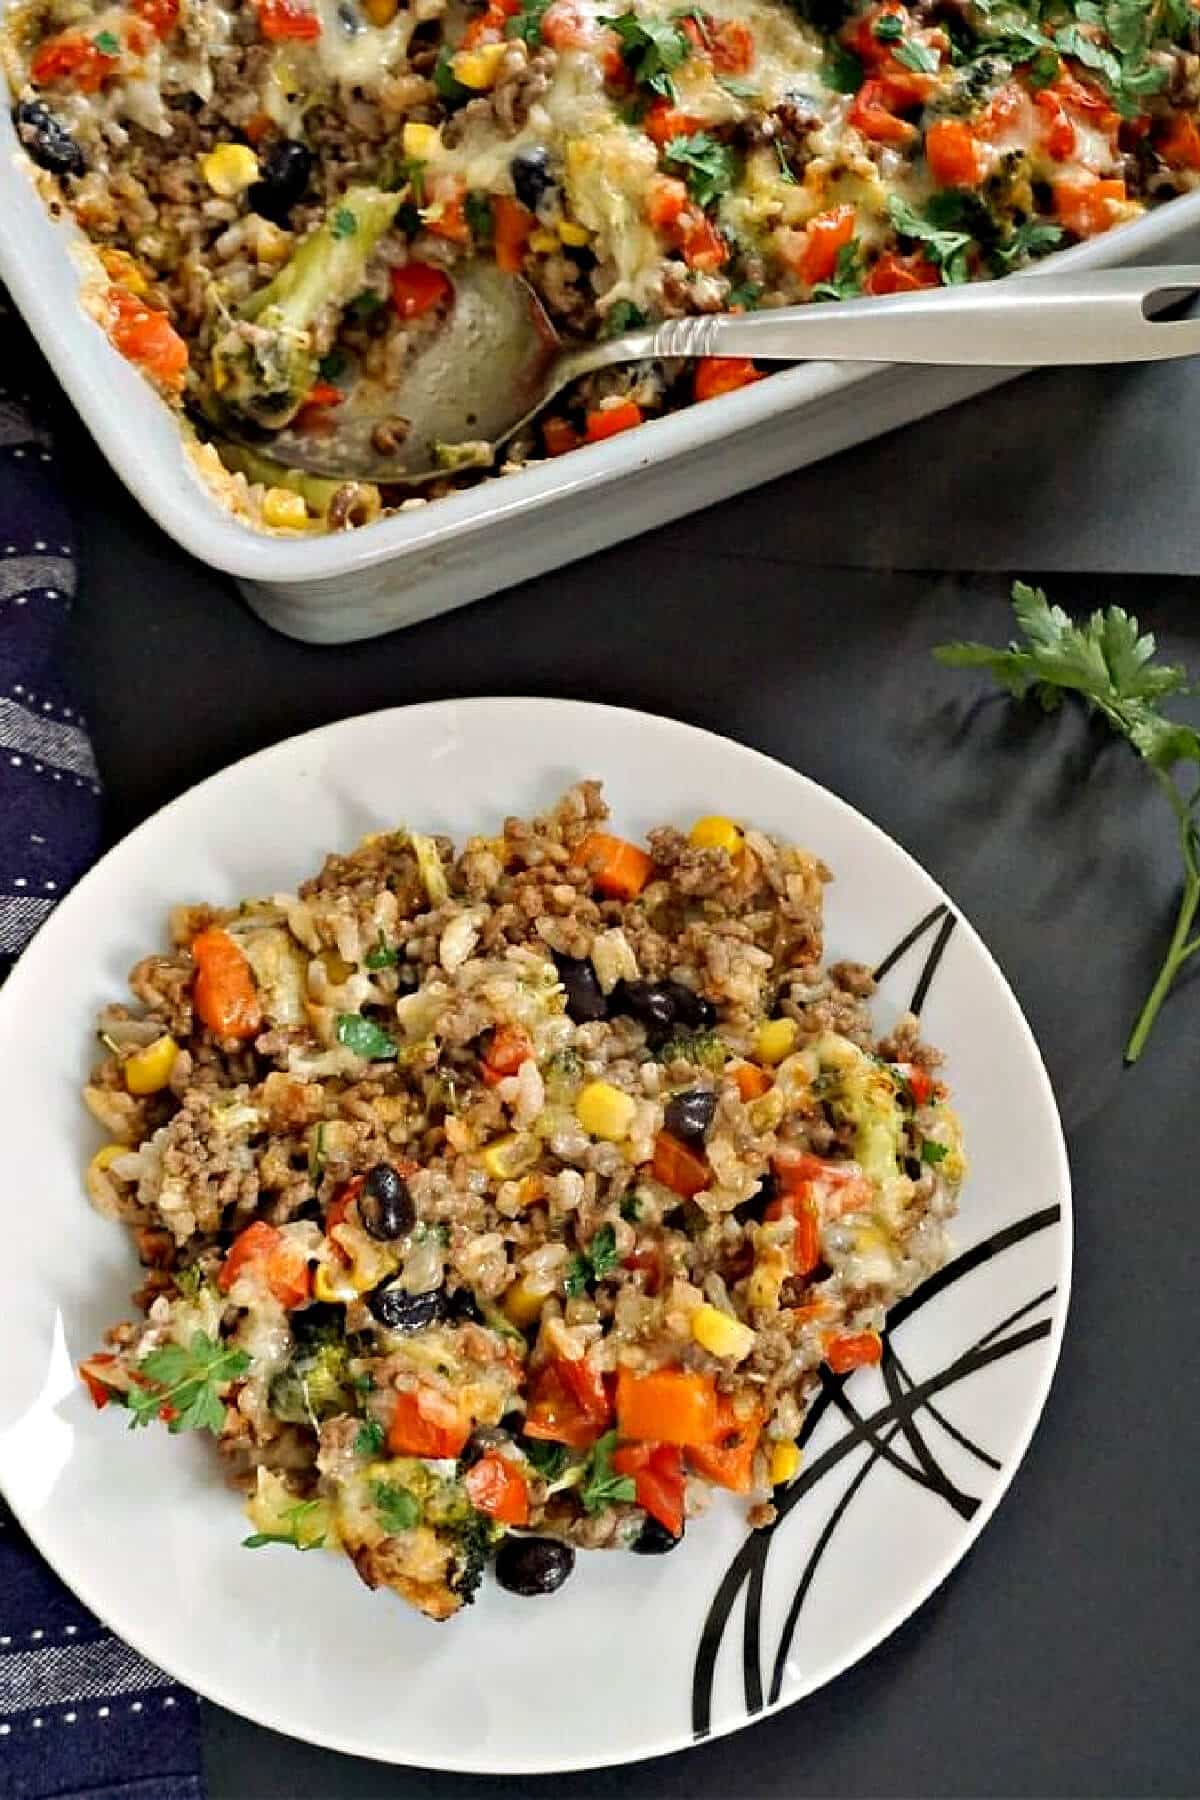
[{"x": 634, "y": 1656}]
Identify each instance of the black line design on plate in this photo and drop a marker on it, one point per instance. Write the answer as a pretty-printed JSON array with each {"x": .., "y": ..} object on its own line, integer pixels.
[
  {"x": 937, "y": 951},
  {"x": 876, "y": 1430},
  {"x": 909, "y": 939}
]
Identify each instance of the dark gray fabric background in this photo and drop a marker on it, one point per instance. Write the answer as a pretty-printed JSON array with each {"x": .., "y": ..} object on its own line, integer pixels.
[{"x": 1062, "y": 1657}]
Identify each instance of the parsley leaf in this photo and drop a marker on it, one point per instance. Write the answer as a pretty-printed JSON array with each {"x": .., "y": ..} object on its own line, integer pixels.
[
  {"x": 364, "y": 1037},
  {"x": 744, "y": 298},
  {"x": 1034, "y": 238},
  {"x": 592, "y": 1264},
  {"x": 1110, "y": 665},
  {"x": 622, "y": 316},
  {"x": 631, "y": 1209},
  {"x": 383, "y": 956},
  {"x": 188, "y": 1380},
  {"x": 398, "y": 1510},
  {"x": 601, "y": 1487},
  {"x": 888, "y": 28},
  {"x": 650, "y": 49},
  {"x": 343, "y": 224},
  {"x": 527, "y": 24},
  {"x": 295, "y": 1517},
  {"x": 366, "y": 303},
  {"x": 477, "y": 210},
  {"x": 369, "y": 1441},
  {"x": 108, "y": 43},
  {"x": 915, "y": 55},
  {"x": 446, "y": 82},
  {"x": 710, "y": 167},
  {"x": 846, "y": 280},
  {"x": 933, "y": 1152},
  {"x": 841, "y": 70},
  {"x": 548, "y": 1459},
  {"x": 947, "y": 250}
]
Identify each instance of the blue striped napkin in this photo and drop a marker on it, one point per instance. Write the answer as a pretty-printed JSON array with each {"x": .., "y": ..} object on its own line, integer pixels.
[{"x": 80, "y": 1713}]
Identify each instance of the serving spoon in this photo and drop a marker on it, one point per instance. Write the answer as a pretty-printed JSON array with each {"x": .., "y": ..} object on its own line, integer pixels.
[{"x": 497, "y": 362}]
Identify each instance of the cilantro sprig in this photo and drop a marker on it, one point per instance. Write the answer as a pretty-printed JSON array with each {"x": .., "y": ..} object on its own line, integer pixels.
[
  {"x": 651, "y": 50},
  {"x": 295, "y": 1518},
  {"x": 946, "y": 249},
  {"x": 1110, "y": 664},
  {"x": 847, "y": 278},
  {"x": 601, "y": 1487},
  {"x": 710, "y": 168},
  {"x": 186, "y": 1379},
  {"x": 592, "y": 1264}
]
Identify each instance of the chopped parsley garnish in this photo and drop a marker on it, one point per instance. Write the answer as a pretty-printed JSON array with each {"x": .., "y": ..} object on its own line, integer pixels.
[
  {"x": 650, "y": 49},
  {"x": 369, "y": 1441},
  {"x": 601, "y": 1487},
  {"x": 548, "y": 1459},
  {"x": 187, "y": 1381},
  {"x": 785, "y": 167},
  {"x": 841, "y": 70},
  {"x": 397, "y": 1509},
  {"x": 1045, "y": 68},
  {"x": 365, "y": 1038},
  {"x": 477, "y": 210},
  {"x": 932, "y": 1152},
  {"x": 946, "y": 250},
  {"x": 744, "y": 297},
  {"x": 847, "y": 277},
  {"x": 887, "y": 28},
  {"x": 295, "y": 1517},
  {"x": 916, "y": 55},
  {"x": 1036, "y": 237},
  {"x": 343, "y": 224},
  {"x": 622, "y": 316},
  {"x": 527, "y": 24},
  {"x": 316, "y": 1160},
  {"x": 448, "y": 86},
  {"x": 741, "y": 90},
  {"x": 710, "y": 168},
  {"x": 1110, "y": 665},
  {"x": 382, "y": 956},
  {"x": 592, "y": 1264},
  {"x": 332, "y": 365},
  {"x": 108, "y": 43},
  {"x": 189, "y": 1281},
  {"x": 631, "y": 1209},
  {"x": 364, "y": 304}
]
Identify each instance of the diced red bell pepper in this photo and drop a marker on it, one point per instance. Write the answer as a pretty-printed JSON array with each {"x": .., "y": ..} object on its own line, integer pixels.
[
  {"x": 870, "y": 114},
  {"x": 658, "y": 1478},
  {"x": 288, "y": 21},
  {"x": 101, "y": 1395},
  {"x": 702, "y": 245},
  {"x": 729, "y": 1459},
  {"x": 824, "y": 238},
  {"x": 953, "y": 154},
  {"x": 161, "y": 15},
  {"x": 507, "y": 1048},
  {"x": 896, "y": 274},
  {"x": 426, "y": 1423},
  {"x": 568, "y": 1403},
  {"x": 667, "y": 1406},
  {"x": 495, "y": 1486},
  {"x": 73, "y": 57},
  {"x": 417, "y": 287},
  {"x": 512, "y": 225},
  {"x": 679, "y": 1167},
  {"x": 853, "y": 1350}
]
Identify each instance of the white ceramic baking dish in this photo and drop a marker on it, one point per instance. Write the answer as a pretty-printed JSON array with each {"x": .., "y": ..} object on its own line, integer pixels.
[{"x": 352, "y": 585}]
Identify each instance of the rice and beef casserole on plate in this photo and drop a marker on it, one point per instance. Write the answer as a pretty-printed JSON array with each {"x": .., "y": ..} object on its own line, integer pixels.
[
  {"x": 281, "y": 192},
  {"x": 507, "y": 1201}
]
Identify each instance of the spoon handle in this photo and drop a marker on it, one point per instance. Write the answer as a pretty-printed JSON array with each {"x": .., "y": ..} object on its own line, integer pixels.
[{"x": 1102, "y": 316}]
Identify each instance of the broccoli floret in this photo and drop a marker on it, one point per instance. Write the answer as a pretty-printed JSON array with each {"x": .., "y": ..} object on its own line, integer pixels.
[
  {"x": 263, "y": 360},
  {"x": 317, "y": 1383},
  {"x": 476, "y": 1537},
  {"x": 704, "y": 1048}
]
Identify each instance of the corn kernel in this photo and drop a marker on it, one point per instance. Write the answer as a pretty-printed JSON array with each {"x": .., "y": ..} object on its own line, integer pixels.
[
  {"x": 421, "y": 141},
  {"x": 522, "y": 1305},
  {"x": 478, "y": 68},
  {"x": 544, "y": 242},
  {"x": 105, "y": 1157},
  {"x": 507, "y": 1158},
  {"x": 123, "y": 268},
  {"x": 574, "y": 235},
  {"x": 774, "y": 1040},
  {"x": 381, "y": 12},
  {"x": 284, "y": 511},
  {"x": 785, "y": 1462},
  {"x": 721, "y": 1334},
  {"x": 148, "y": 1071},
  {"x": 333, "y": 1287},
  {"x": 716, "y": 833},
  {"x": 604, "y": 1111},
  {"x": 229, "y": 169}
]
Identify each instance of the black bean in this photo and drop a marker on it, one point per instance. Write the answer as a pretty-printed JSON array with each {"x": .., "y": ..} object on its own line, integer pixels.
[
  {"x": 462, "y": 1308},
  {"x": 284, "y": 172},
  {"x": 654, "y": 1539},
  {"x": 649, "y": 1002},
  {"x": 688, "y": 1116},
  {"x": 385, "y": 1205},
  {"x": 533, "y": 1565},
  {"x": 531, "y": 175},
  {"x": 692, "y": 1010},
  {"x": 751, "y": 1211},
  {"x": 585, "y": 999},
  {"x": 47, "y": 139},
  {"x": 398, "y": 1310}
]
